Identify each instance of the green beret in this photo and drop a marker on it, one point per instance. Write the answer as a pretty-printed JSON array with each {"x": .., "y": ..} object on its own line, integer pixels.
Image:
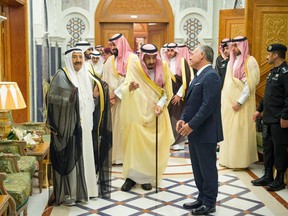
[{"x": 276, "y": 47}]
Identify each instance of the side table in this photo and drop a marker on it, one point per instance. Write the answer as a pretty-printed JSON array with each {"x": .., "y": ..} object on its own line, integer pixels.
[
  {"x": 4, "y": 204},
  {"x": 40, "y": 152}
]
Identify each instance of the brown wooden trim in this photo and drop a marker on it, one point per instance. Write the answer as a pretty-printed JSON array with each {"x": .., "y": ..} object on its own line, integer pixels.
[
  {"x": 272, "y": 193},
  {"x": 13, "y": 3}
]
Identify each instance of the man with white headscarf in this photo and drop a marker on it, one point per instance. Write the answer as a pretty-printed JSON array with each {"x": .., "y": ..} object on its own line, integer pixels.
[
  {"x": 114, "y": 72},
  {"x": 100, "y": 49},
  {"x": 239, "y": 148},
  {"x": 177, "y": 58},
  {"x": 71, "y": 117},
  {"x": 86, "y": 47},
  {"x": 146, "y": 93},
  {"x": 97, "y": 63}
]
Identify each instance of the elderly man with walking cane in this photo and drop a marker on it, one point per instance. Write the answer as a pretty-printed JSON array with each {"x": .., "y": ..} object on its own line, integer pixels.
[{"x": 146, "y": 92}]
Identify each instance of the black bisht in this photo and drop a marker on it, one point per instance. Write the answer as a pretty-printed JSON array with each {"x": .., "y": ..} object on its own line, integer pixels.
[{"x": 102, "y": 138}]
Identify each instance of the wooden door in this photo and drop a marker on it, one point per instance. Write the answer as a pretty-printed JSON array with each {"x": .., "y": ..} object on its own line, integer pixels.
[
  {"x": 2, "y": 48},
  {"x": 231, "y": 23},
  {"x": 157, "y": 34},
  {"x": 266, "y": 22},
  {"x": 109, "y": 29},
  {"x": 123, "y": 13},
  {"x": 14, "y": 44}
]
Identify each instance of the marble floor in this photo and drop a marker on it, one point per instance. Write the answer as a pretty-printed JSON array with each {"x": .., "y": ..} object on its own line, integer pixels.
[{"x": 236, "y": 195}]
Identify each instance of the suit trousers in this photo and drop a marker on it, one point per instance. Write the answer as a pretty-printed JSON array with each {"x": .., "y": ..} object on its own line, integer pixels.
[{"x": 203, "y": 158}]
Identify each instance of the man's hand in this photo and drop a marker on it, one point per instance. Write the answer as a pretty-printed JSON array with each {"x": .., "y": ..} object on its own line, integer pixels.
[
  {"x": 283, "y": 123},
  {"x": 133, "y": 86},
  {"x": 185, "y": 130},
  {"x": 256, "y": 115},
  {"x": 176, "y": 100},
  {"x": 158, "y": 110},
  {"x": 179, "y": 125},
  {"x": 236, "y": 107},
  {"x": 112, "y": 97},
  {"x": 96, "y": 92}
]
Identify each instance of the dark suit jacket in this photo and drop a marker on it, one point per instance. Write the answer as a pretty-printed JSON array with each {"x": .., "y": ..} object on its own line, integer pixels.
[{"x": 202, "y": 110}]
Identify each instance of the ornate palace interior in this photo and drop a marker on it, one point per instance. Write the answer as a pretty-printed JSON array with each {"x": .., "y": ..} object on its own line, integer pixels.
[{"x": 33, "y": 37}]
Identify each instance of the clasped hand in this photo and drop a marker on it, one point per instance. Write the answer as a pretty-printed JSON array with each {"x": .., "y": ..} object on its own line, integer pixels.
[{"x": 183, "y": 128}]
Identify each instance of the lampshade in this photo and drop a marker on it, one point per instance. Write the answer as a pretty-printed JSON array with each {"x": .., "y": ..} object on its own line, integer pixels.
[{"x": 11, "y": 97}]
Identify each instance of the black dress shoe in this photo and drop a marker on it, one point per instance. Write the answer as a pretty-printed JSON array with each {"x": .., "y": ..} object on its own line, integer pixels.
[
  {"x": 203, "y": 210},
  {"x": 146, "y": 187},
  {"x": 128, "y": 184},
  {"x": 276, "y": 186},
  {"x": 263, "y": 181},
  {"x": 192, "y": 205}
]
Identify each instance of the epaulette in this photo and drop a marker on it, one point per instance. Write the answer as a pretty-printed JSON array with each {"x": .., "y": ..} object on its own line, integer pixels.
[{"x": 284, "y": 69}]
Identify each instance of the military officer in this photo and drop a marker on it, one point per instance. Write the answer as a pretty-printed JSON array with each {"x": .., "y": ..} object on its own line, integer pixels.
[{"x": 275, "y": 119}]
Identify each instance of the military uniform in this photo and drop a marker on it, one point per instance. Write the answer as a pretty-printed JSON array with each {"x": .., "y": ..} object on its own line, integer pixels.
[
  {"x": 275, "y": 139},
  {"x": 221, "y": 63},
  {"x": 273, "y": 106},
  {"x": 221, "y": 67}
]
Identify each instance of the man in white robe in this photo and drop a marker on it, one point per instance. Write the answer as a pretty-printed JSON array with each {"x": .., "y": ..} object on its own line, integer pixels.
[
  {"x": 239, "y": 148},
  {"x": 70, "y": 114},
  {"x": 114, "y": 72}
]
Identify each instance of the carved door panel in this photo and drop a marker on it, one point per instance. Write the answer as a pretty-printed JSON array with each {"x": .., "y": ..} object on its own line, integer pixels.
[
  {"x": 109, "y": 29},
  {"x": 157, "y": 34},
  {"x": 266, "y": 22},
  {"x": 231, "y": 23}
]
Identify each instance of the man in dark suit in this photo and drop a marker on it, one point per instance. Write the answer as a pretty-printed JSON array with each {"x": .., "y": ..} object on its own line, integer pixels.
[{"x": 201, "y": 122}]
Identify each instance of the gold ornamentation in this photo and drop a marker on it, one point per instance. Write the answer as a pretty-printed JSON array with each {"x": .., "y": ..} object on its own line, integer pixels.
[
  {"x": 134, "y": 7},
  {"x": 274, "y": 31},
  {"x": 237, "y": 30}
]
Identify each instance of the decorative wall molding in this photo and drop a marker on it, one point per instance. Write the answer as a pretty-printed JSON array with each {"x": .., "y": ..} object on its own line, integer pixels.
[
  {"x": 56, "y": 40},
  {"x": 194, "y": 26}
]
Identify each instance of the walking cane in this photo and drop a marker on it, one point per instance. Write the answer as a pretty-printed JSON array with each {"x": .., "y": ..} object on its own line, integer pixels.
[{"x": 156, "y": 154}]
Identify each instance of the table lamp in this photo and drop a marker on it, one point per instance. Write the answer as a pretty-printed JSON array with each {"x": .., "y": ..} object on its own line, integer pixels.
[{"x": 11, "y": 98}]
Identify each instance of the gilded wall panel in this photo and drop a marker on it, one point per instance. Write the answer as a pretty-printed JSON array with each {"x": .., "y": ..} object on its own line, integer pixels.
[
  {"x": 266, "y": 22},
  {"x": 134, "y": 7},
  {"x": 272, "y": 34},
  {"x": 237, "y": 29}
]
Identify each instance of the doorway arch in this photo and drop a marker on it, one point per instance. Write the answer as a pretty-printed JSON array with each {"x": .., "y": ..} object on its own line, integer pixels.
[{"x": 120, "y": 16}]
